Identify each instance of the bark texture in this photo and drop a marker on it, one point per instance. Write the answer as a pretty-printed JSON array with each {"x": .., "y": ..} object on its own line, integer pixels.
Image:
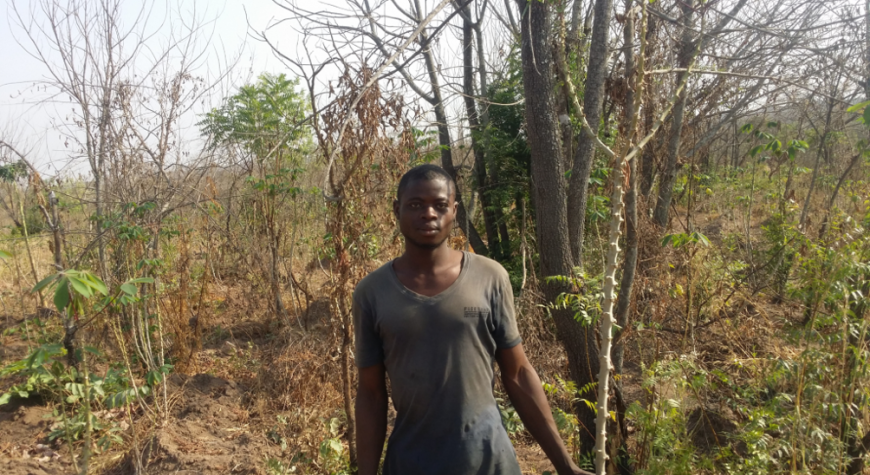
[
  {"x": 584, "y": 154},
  {"x": 550, "y": 201}
]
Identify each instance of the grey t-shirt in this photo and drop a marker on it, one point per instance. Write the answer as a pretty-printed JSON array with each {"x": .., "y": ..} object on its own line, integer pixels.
[{"x": 439, "y": 354}]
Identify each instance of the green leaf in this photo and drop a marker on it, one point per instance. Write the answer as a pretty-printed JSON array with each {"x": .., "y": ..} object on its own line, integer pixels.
[
  {"x": 44, "y": 282},
  {"x": 701, "y": 238},
  {"x": 82, "y": 288},
  {"x": 96, "y": 283},
  {"x": 37, "y": 358},
  {"x": 61, "y": 295},
  {"x": 129, "y": 289},
  {"x": 141, "y": 280},
  {"x": 866, "y": 116},
  {"x": 859, "y": 106},
  {"x": 5, "y": 255},
  {"x": 755, "y": 150},
  {"x": 667, "y": 240},
  {"x": 4, "y": 398}
]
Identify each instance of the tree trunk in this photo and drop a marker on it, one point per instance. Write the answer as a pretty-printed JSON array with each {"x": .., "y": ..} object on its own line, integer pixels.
[
  {"x": 630, "y": 263},
  {"x": 819, "y": 154},
  {"x": 444, "y": 141},
  {"x": 646, "y": 156},
  {"x": 669, "y": 174},
  {"x": 550, "y": 199},
  {"x": 584, "y": 154},
  {"x": 494, "y": 178},
  {"x": 480, "y": 165}
]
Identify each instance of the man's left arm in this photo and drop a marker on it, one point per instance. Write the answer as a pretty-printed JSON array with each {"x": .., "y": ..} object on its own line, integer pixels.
[{"x": 524, "y": 388}]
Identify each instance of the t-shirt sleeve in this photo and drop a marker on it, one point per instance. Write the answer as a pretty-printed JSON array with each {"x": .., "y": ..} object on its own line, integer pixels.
[
  {"x": 505, "y": 331},
  {"x": 369, "y": 349}
]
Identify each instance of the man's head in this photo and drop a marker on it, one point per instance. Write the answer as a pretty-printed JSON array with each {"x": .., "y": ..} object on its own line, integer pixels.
[{"x": 425, "y": 206}]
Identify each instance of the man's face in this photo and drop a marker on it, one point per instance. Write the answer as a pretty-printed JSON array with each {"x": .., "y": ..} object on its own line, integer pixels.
[{"x": 426, "y": 212}]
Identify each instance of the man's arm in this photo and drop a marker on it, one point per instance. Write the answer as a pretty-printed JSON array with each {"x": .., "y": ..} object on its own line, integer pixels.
[
  {"x": 371, "y": 417},
  {"x": 524, "y": 388}
]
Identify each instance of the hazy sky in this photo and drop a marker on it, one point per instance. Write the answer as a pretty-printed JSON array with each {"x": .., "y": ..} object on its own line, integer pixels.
[{"x": 26, "y": 109}]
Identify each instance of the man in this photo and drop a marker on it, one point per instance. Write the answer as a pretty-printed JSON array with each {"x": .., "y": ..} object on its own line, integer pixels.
[{"x": 434, "y": 319}]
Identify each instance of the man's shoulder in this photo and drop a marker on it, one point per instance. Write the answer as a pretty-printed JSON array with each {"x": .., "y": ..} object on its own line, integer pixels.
[
  {"x": 485, "y": 266},
  {"x": 376, "y": 279}
]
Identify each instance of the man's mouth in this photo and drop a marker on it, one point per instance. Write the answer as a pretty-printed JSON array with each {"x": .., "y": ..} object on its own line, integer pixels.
[{"x": 429, "y": 231}]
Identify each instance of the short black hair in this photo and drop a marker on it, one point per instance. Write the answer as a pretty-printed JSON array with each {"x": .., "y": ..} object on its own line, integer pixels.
[{"x": 425, "y": 172}]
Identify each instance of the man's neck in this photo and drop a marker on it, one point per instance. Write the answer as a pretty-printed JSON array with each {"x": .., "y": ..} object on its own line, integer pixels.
[{"x": 426, "y": 261}]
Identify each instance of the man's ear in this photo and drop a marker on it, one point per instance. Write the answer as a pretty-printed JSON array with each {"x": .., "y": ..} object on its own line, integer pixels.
[{"x": 396, "y": 208}]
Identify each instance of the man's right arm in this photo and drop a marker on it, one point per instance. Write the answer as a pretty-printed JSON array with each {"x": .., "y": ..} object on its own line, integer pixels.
[{"x": 371, "y": 417}]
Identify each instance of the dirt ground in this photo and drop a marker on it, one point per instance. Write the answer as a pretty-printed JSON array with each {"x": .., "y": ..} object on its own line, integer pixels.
[
  {"x": 208, "y": 434},
  {"x": 222, "y": 414},
  {"x": 24, "y": 449}
]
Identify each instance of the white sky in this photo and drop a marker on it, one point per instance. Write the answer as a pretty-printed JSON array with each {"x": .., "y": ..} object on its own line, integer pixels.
[{"x": 26, "y": 117}]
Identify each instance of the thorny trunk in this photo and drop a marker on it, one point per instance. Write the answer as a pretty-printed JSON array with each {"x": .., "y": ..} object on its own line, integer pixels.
[
  {"x": 630, "y": 264},
  {"x": 669, "y": 173},
  {"x": 607, "y": 320},
  {"x": 634, "y": 79},
  {"x": 584, "y": 154},
  {"x": 550, "y": 199}
]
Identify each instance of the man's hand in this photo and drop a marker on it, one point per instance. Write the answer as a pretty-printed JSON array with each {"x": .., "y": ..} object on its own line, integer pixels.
[
  {"x": 371, "y": 417},
  {"x": 524, "y": 388}
]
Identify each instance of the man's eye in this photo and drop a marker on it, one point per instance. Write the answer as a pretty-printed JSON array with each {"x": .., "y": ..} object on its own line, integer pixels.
[{"x": 442, "y": 205}]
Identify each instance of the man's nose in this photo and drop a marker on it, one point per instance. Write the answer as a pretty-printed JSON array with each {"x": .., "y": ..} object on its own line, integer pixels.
[{"x": 429, "y": 212}]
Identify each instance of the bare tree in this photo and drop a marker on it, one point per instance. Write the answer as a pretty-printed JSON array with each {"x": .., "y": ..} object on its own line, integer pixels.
[{"x": 363, "y": 20}]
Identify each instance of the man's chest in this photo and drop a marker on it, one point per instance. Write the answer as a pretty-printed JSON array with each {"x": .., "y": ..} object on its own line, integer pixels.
[{"x": 463, "y": 317}]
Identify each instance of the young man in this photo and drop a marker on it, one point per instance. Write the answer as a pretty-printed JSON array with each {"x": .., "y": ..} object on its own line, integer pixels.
[{"x": 434, "y": 319}]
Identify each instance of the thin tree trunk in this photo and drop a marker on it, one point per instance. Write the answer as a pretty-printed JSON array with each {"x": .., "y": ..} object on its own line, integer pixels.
[
  {"x": 347, "y": 384},
  {"x": 629, "y": 265},
  {"x": 593, "y": 98},
  {"x": 275, "y": 277},
  {"x": 494, "y": 174},
  {"x": 480, "y": 165},
  {"x": 647, "y": 157},
  {"x": 446, "y": 144},
  {"x": 819, "y": 154},
  {"x": 669, "y": 174}
]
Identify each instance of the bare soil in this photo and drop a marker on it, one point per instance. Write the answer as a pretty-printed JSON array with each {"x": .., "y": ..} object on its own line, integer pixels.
[{"x": 24, "y": 450}]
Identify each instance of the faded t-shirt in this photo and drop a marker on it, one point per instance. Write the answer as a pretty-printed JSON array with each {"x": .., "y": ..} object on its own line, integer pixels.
[{"x": 439, "y": 354}]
